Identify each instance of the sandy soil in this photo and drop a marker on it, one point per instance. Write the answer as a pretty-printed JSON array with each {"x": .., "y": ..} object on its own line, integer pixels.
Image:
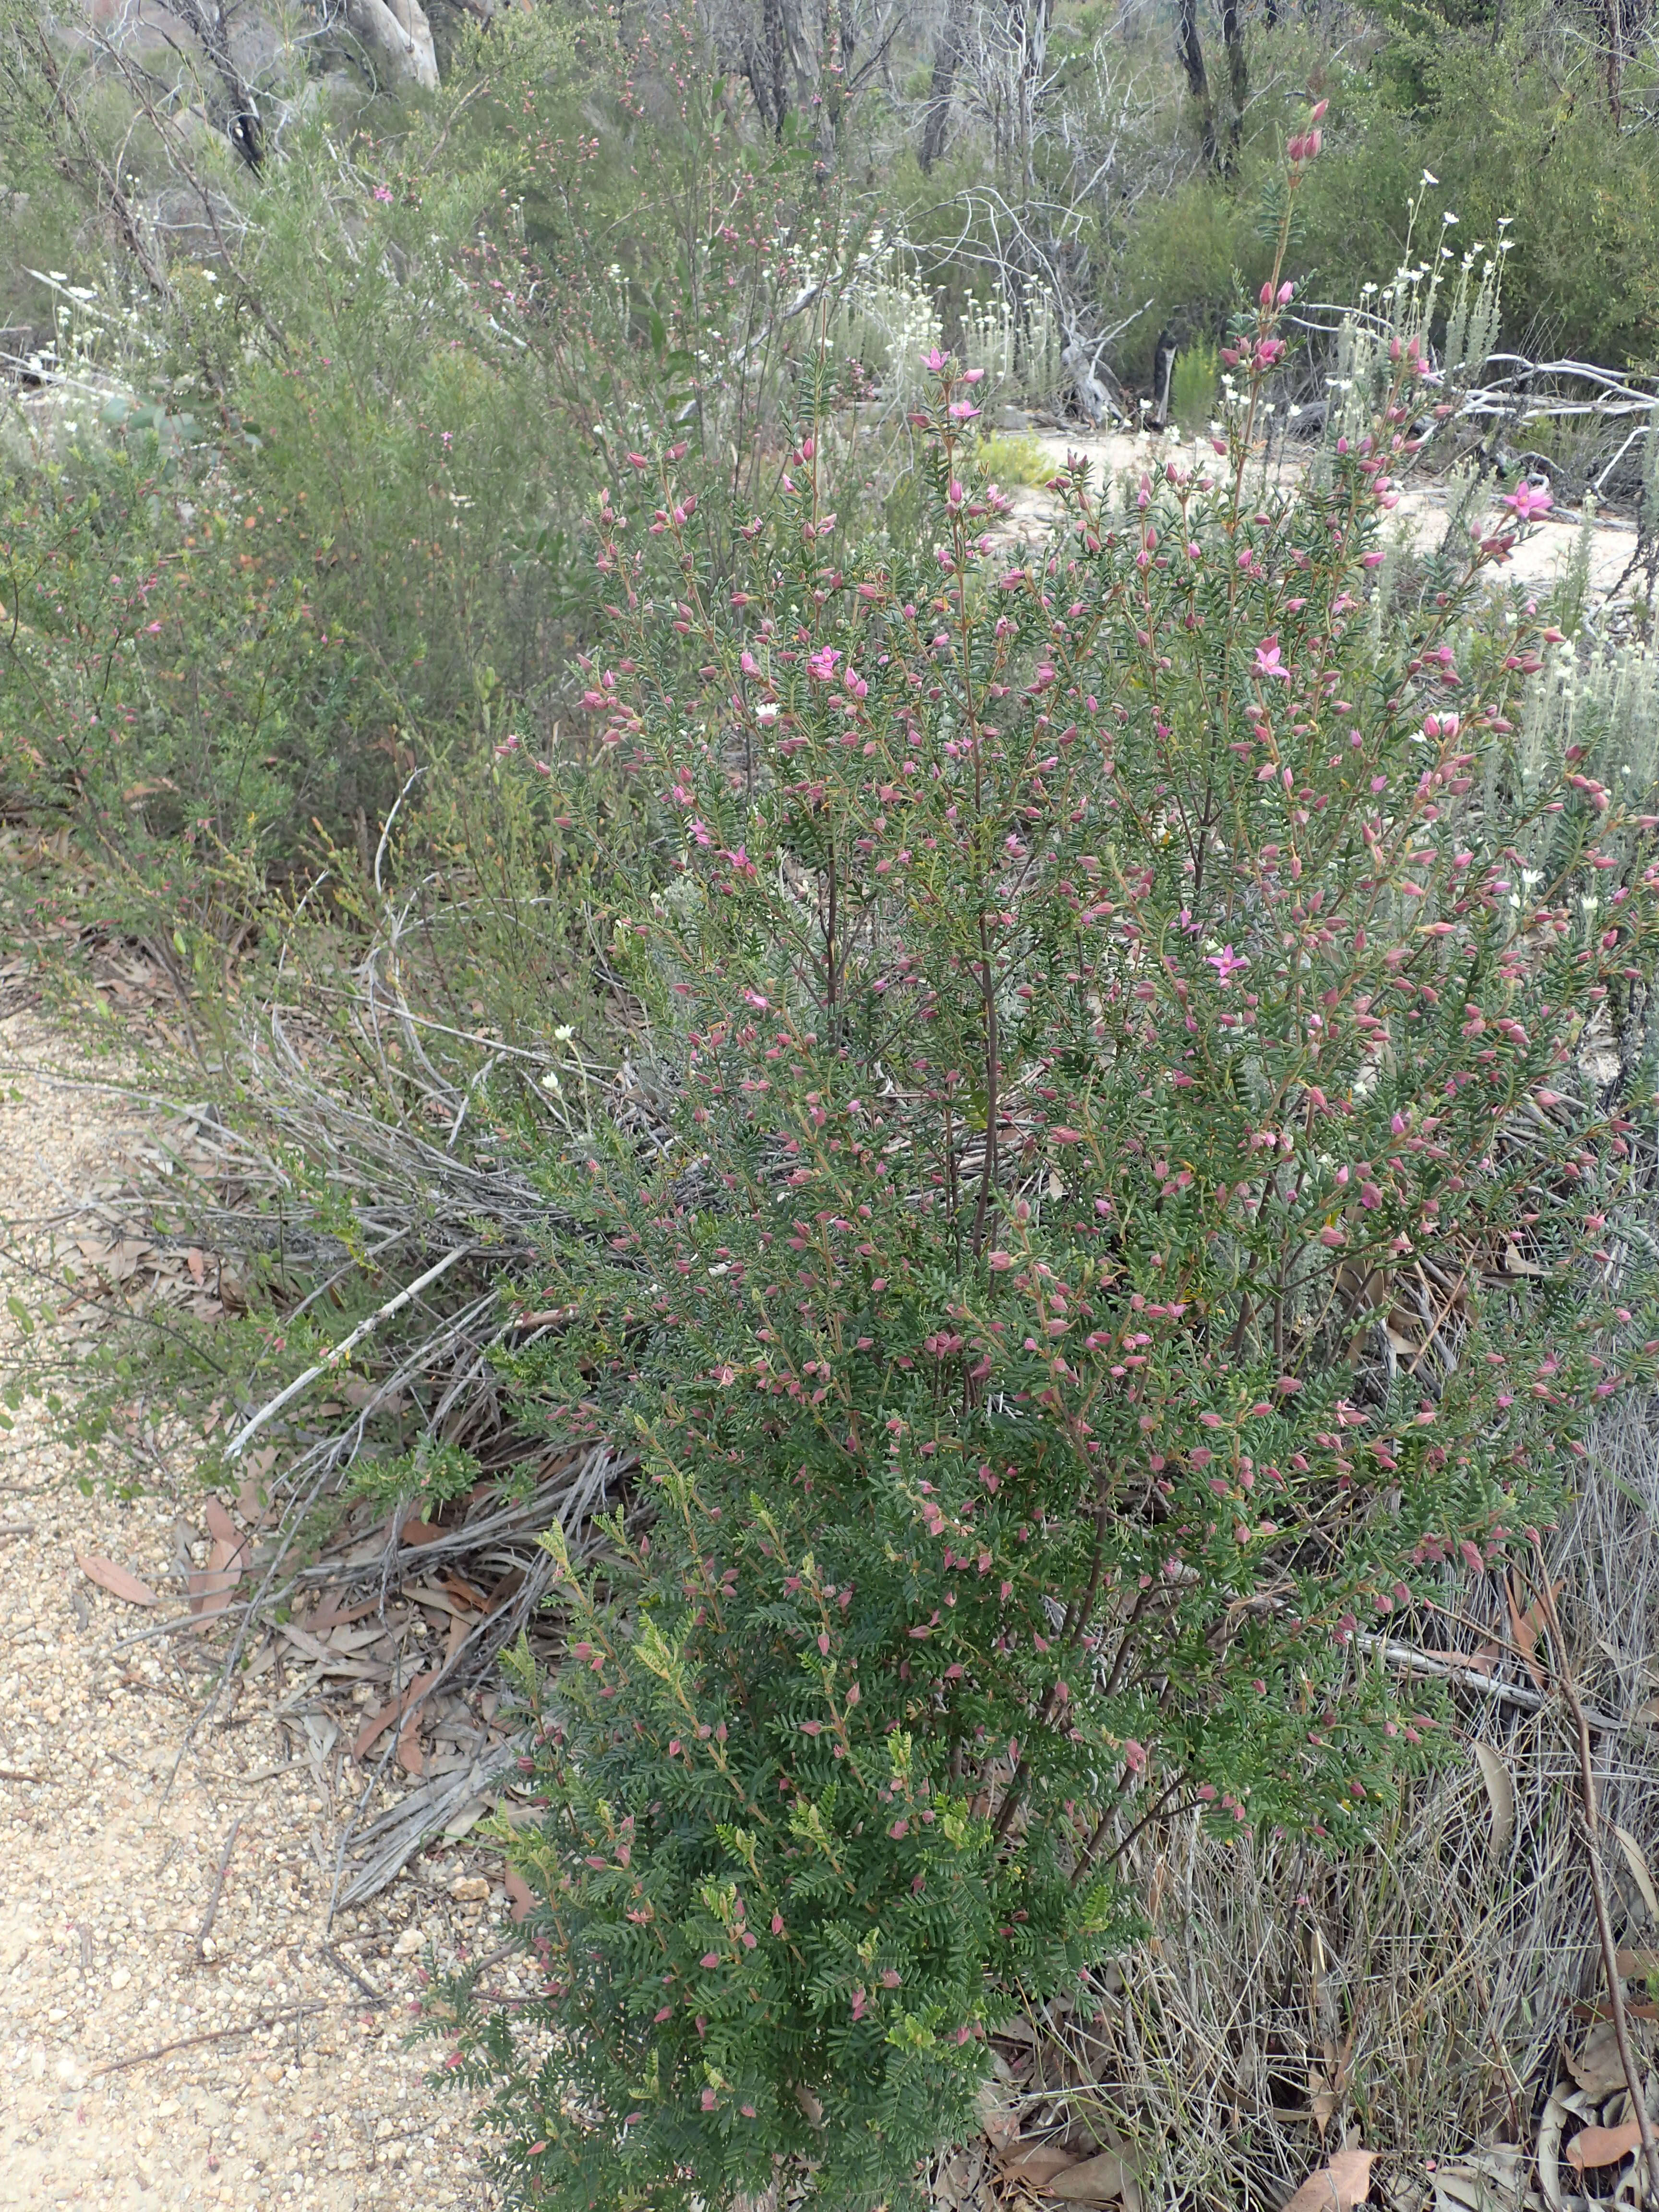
[{"x": 290, "y": 2083}]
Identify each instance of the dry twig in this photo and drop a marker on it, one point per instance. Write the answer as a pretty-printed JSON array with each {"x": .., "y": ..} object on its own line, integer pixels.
[
  {"x": 1592, "y": 1837},
  {"x": 217, "y": 1892}
]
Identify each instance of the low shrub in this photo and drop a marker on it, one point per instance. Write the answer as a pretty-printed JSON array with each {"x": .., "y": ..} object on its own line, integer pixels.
[{"x": 1108, "y": 1001}]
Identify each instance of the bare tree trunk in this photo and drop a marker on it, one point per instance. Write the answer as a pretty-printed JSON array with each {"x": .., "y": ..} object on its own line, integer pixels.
[
  {"x": 1238, "y": 80},
  {"x": 1613, "y": 16},
  {"x": 775, "y": 48},
  {"x": 947, "y": 53},
  {"x": 1029, "y": 21},
  {"x": 397, "y": 34},
  {"x": 1190, "y": 49}
]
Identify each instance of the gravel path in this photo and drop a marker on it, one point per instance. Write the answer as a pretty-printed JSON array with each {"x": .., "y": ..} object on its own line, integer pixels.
[{"x": 289, "y": 2084}]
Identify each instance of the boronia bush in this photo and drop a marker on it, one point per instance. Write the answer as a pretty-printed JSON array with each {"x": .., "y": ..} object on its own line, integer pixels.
[{"x": 1138, "y": 1203}]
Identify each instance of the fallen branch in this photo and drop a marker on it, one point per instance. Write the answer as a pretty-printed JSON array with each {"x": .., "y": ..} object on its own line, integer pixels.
[
  {"x": 344, "y": 1967},
  {"x": 331, "y": 1360},
  {"x": 1447, "y": 1669},
  {"x": 212, "y": 1913},
  {"x": 214, "y": 2035}
]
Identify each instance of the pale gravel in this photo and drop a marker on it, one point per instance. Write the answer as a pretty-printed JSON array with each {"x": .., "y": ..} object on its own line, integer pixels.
[{"x": 105, "y": 1870}]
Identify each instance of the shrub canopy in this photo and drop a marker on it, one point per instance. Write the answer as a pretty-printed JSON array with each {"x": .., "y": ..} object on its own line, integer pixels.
[{"x": 1130, "y": 1201}]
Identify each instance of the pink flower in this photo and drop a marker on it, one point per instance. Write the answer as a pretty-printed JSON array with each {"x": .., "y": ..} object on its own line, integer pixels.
[
  {"x": 822, "y": 664},
  {"x": 936, "y": 361},
  {"x": 1529, "y": 500},
  {"x": 382, "y": 192},
  {"x": 1268, "y": 661},
  {"x": 1227, "y": 964}
]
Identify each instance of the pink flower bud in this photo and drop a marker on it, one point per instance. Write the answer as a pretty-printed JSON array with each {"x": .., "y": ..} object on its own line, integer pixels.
[
  {"x": 1295, "y": 148},
  {"x": 1286, "y": 293},
  {"x": 1318, "y": 114},
  {"x": 1313, "y": 140},
  {"x": 1267, "y": 295}
]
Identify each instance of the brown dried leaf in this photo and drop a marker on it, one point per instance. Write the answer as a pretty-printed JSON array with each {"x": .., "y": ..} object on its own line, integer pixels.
[
  {"x": 435, "y": 1599},
  {"x": 211, "y": 1588},
  {"x": 1338, "y": 2187},
  {"x": 1523, "y": 1632},
  {"x": 1604, "y": 2146},
  {"x": 1096, "y": 2180},
  {"x": 1500, "y": 1794},
  {"x": 376, "y": 1726},
  {"x": 998, "y": 2119},
  {"x": 120, "y": 1582},
  {"x": 1639, "y": 1869},
  {"x": 250, "y": 1502},
  {"x": 220, "y": 1524},
  {"x": 1597, "y": 2068},
  {"x": 519, "y": 1894},
  {"x": 416, "y": 1531},
  {"x": 1038, "y": 2163}
]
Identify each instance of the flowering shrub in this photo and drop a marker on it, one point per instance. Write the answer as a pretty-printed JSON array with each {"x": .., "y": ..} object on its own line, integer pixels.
[{"x": 1138, "y": 1203}]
